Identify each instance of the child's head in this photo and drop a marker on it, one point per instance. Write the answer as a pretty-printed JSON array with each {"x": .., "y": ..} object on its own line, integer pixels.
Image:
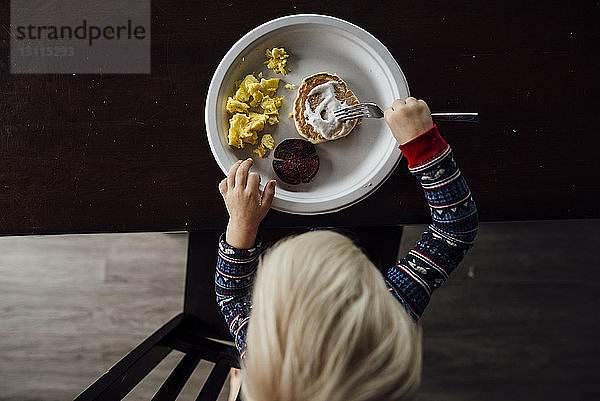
[{"x": 324, "y": 327}]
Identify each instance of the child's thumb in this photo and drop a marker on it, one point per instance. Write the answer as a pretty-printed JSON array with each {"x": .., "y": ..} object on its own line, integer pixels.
[{"x": 268, "y": 195}]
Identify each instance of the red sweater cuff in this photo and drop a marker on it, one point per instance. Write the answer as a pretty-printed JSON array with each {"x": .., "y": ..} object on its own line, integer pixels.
[{"x": 424, "y": 147}]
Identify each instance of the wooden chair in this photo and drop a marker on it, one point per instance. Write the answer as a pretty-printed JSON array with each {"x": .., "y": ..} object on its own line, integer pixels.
[{"x": 197, "y": 331}]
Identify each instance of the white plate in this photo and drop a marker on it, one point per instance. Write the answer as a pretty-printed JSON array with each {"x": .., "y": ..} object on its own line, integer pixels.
[{"x": 351, "y": 168}]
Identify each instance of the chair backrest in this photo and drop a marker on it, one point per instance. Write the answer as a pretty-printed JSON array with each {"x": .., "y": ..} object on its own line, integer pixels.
[{"x": 180, "y": 334}]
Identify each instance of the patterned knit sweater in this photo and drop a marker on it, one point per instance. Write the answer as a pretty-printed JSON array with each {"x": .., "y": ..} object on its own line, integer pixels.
[{"x": 412, "y": 281}]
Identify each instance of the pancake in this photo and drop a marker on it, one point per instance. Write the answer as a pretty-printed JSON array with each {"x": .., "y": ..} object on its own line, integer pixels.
[
  {"x": 295, "y": 161},
  {"x": 318, "y": 96}
]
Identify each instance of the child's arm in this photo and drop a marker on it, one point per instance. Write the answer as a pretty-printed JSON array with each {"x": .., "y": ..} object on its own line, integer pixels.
[
  {"x": 453, "y": 211},
  {"x": 238, "y": 250}
]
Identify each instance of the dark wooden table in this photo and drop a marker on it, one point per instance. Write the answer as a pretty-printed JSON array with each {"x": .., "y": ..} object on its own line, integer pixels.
[{"x": 105, "y": 153}]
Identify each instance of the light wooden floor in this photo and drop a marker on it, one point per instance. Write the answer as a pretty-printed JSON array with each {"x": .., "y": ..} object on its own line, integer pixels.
[
  {"x": 73, "y": 305},
  {"x": 517, "y": 320}
]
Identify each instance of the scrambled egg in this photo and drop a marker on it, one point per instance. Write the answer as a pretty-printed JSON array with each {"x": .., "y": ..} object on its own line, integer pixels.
[
  {"x": 266, "y": 142},
  {"x": 290, "y": 86},
  {"x": 277, "y": 59},
  {"x": 235, "y": 106},
  {"x": 250, "y": 97},
  {"x": 245, "y": 125}
]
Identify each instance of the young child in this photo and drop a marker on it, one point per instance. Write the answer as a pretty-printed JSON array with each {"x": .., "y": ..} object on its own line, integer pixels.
[{"x": 325, "y": 325}]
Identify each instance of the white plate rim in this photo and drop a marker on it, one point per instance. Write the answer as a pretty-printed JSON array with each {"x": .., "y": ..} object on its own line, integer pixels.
[{"x": 310, "y": 208}]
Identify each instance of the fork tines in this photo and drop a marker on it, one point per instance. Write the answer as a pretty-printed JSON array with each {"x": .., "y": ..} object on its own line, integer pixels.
[{"x": 351, "y": 112}]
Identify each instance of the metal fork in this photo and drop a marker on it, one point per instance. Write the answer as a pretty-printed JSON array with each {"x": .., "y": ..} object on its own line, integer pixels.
[{"x": 371, "y": 110}]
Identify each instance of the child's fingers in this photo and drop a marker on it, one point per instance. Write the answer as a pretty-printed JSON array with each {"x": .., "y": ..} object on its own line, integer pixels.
[
  {"x": 423, "y": 103},
  {"x": 253, "y": 181},
  {"x": 231, "y": 174},
  {"x": 386, "y": 114},
  {"x": 223, "y": 186},
  {"x": 242, "y": 173},
  {"x": 267, "y": 196},
  {"x": 398, "y": 103}
]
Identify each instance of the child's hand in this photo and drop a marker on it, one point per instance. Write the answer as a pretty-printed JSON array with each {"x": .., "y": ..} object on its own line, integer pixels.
[
  {"x": 408, "y": 119},
  {"x": 245, "y": 204}
]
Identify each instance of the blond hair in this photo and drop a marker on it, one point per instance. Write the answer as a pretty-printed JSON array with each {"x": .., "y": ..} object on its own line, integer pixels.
[{"x": 324, "y": 327}]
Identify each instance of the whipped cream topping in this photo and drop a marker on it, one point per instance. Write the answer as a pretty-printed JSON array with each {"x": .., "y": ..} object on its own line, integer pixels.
[{"x": 328, "y": 126}]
